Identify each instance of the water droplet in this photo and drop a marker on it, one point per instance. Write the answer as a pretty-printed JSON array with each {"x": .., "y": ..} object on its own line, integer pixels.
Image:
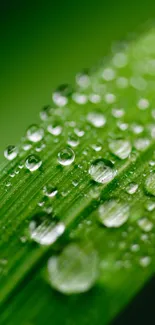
[
  {"x": 66, "y": 157},
  {"x": 55, "y": 128},
  {"x": 101, "y": 171},
  {"x": 79, "y": 132},
  {"x": 122, "y": 126},
  {"x": 145, "y": 261},
  {"x": 83, "y": 79},
  {"x": 61, "y": 95},
  {"x": 33, "y": 163},
  {"x": 96, "y": 119},
  {"x": 150, "y": 206},
  {"x": 120, "y": 148},
  {"x": 44, "y": 231},
  {"x": 94, "y": 98},
  {"x": 143, "y": 103},
  {"x": 74, "y": 271},
  {"x": 50, "y": 191},
  {"x": 41, "y": 146},
  {"x": 137, "y": 128},
  {"x": 108, "y": 74},
  {"x": 80, "y": 98},
  {"x": 132, "y": 188},
  {"x": 150, "y": 184},
  {"x": 11, "y": 152},
  {"x": 110, "y": 98},
  {"x": 122, "y": 82},
  {"x": 145, "y": 224},
  {"x": 35, "y": 133},
  {"x": 118, "y": 112},
  {"x": 27, "y": 146},
  {"x": 141, "y": 144},
  {"x": 97, "y": 147},
  {"x": 135, "y": 248},
  {"x": 46, "y": 113},
  {"x": 120, "y": 60},
  {"x": 113, "y": 214},
  {"x": 73, "y": 140}
]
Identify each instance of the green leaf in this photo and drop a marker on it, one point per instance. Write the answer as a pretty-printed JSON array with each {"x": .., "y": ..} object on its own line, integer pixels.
[{"x": 78, "y": 194}]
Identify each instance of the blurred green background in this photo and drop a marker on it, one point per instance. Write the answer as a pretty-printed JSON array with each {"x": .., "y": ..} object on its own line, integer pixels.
[{"x": 44, "y": 43}]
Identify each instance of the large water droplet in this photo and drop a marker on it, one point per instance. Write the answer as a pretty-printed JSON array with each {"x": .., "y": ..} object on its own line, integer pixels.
[
  {"x": 96, "y": 119},
  {"x": 11, "y": 152},
  {"x": 113, "y": 214},
  {"x": 44, "y": 231},
  {"x": 74, "y": 271},
  {"x": 120, "y": 148},
  {"x": 35, "y": 133},
  {"x": 150, "y": 184},
  {"x": 102, "y": 171},
  {"x": 33, "y": 163},
  {"x": 66, "y": 157}
]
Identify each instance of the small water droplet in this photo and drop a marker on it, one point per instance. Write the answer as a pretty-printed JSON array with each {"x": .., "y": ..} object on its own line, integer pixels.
[
  {"x": 143, "y": 103},
  {"x": 120, "y": 60},
  {"x": 66, "y": 157},
  {"x": 141, "y": 144},
  {"x": 83, "y": 79},
  {"x": 11, "y": 152},
  {"x": 94, "y": 98},
  {"x": 80, "y": 98},
  {"x": 35, "y": 133},
  {"x": 108, "y": 74},
  {"x": 101, "y": 171},
  {"x": 97, "y": 147},
  {"x": 50, "y": 191},
  {"x": 120, "y": 148},
  {"x": 135, "y": 248},
  {"x": 110, "y": 98},
  {"x": 79, "y": 132},
  {"x": 122, "y": 125},
  {"x": 122, "y": 82},
  {"x": 145, "y": 261},
  {"x": 61, "y": 95},
  {"x": 137, "y": 128},
  {"x": 132, "y": 188},
  {"x": 113, "y": 214},
  {"x": 44, "y": 231},
  {"x": 96, "y": 119},
  {"x": 33, "y": 163},
  {"x": 55, "y": 128},
  {"x": 74, "y": 271},
  {"x": 46, "y": 113},
  {"x": 150, "y": 206},
  {"x": 73, "y": 140},
  {"x": 145, "y": 224},
  {"x": 27, "y": 146},
  {"x": 118, "y": 112}
]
